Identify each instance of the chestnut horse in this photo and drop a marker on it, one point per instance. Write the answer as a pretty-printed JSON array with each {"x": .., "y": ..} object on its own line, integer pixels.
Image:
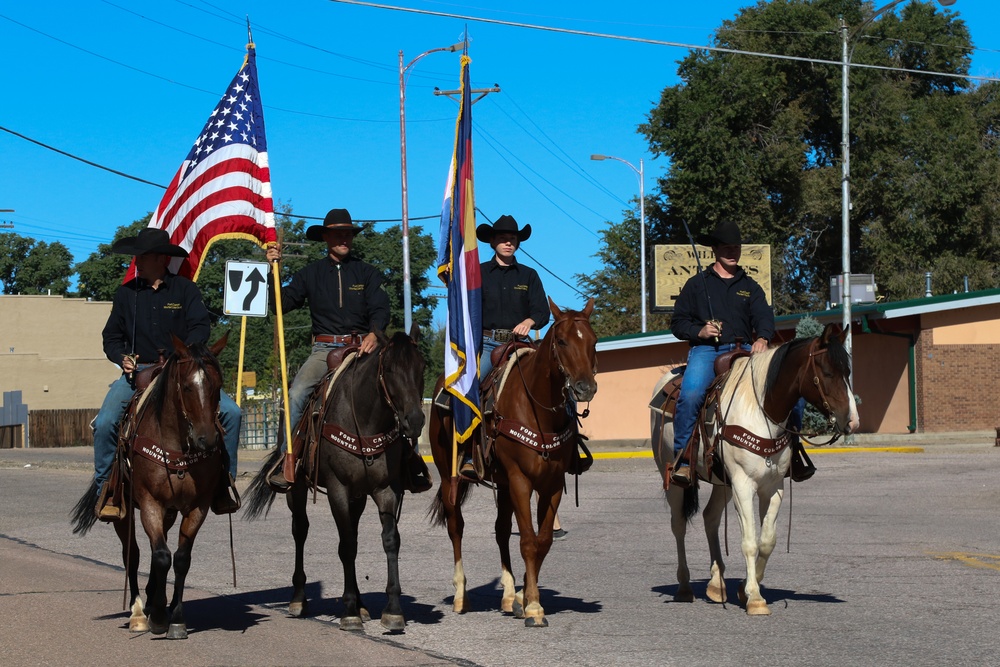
[
  {"x": 758, "y": 397},
  {"x": 176, "y": 462},
  {"x": 379, "y": 397},
  {"x": 541, "y": 390}
]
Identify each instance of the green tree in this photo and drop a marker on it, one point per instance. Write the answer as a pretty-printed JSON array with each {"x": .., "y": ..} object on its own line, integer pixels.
[
  {"x": 616, "y": 285},
  {"x": 102, "y": 272},
  {"x": 758, "y": 140},
  {"x": 28, "y": 266}
]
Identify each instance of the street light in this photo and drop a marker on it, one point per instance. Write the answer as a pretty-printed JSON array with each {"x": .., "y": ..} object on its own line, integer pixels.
[
  {"x": 845, "y": 185},
  {"x": 642, "y": 225},
  {"x": 407, "y": 299}
]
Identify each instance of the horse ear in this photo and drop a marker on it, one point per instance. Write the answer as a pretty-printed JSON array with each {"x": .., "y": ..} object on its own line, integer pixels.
[
  {"x": 414, "y": 332},
  {"x": 830, "y": 331},
  {"x": 588, "y": 310},
  {"x": 219, "y": 344},
  {"x": 553, "y": 308},
  {"x": 179, "y": 347}
]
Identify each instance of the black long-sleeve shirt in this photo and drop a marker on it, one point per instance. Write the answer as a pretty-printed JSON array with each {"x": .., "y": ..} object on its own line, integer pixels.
[
  {"x": 148, "y": 317},
  {"x": 344, "y": 297},
  {"x": 739, "y": 302},
  {"x": 511, "y": 294}
]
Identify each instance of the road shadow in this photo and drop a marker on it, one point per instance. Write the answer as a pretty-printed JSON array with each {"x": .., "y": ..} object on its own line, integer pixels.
[{"x": 772, "y": 595}]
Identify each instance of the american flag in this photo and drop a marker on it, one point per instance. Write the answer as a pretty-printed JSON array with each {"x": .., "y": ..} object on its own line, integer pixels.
[
  {"x": 458, "y": 266},
  {"x": 223, "y": 188}
]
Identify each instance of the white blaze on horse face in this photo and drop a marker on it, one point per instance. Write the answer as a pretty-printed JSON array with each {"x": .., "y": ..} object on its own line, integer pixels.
[{"x": 579, "y": 334}]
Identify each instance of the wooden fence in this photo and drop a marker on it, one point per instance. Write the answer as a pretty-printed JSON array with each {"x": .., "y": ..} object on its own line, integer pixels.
[{"x": 61, "y": 428}]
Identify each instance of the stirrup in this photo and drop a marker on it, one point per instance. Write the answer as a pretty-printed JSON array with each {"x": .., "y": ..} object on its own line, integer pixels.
[
  {"x": 681, "y": 475},
  {"x": 224, "y": 502}
]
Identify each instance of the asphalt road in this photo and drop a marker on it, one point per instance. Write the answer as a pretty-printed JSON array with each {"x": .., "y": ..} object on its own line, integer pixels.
[{"x": 894, "y": 561}]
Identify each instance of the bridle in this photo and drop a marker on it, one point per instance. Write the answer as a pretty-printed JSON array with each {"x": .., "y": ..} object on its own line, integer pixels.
[
  {"x": 559, "y": 364},
  {"x": 811, "y": 368},
  {"x": 189, "y": 440}
]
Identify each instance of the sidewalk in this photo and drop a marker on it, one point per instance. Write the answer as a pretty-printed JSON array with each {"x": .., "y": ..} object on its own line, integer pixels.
[{"x": 82, "y": 458}]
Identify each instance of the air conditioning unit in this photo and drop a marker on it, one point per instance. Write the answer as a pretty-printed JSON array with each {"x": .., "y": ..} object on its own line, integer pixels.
[{"x": 862, "y": 288}]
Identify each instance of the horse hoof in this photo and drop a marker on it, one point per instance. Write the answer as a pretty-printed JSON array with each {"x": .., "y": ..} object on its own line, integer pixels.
[
  {"x": 507, "y": 605},
  {"x": 352, "y": 624},
  {"x": 758, "y": 608},
  {"x": 393, "y": 622},
  {"x": 365, "y": 616},
  {"x": 157, "y": 628},
  {"x": 684, "y": 596},
  {"x": 297, "y": 609},
  {"x": 741, "y": 593},
  {"x": 460, "y": 606},
  {"x": 716, "y": 593},
  {"x": 536, "y": 622},
  {"x": 177, "y": 631},
  {"x": 517, "y": 609},
  {"x": 138, "y": 625}
]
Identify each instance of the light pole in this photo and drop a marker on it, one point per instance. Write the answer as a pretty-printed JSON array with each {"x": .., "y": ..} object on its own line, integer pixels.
[
  {"x": 642, "y": 225},
  {"x": 845, "y": 139},
  {"x": 407, "y": 299}
]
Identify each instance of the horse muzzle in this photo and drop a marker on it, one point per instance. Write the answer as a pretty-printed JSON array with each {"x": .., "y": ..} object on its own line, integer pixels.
[
  {"x": 582, "y": 391},
  {"x": 411, "y": 424}
]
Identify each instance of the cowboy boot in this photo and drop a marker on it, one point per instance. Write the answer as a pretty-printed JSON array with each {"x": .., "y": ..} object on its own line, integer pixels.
[
  {"x": 467, "y": 470},
  {"x": 227, "y": 498},
  {"x": 417, "y": 474}
]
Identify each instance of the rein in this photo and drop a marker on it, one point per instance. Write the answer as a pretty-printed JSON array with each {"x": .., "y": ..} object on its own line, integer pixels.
[
  {"x": 810, "y": 367},
  {"x": 562, "y": 371}
]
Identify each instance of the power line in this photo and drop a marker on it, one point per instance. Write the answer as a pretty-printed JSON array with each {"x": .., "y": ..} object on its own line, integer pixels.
[{"x": 659, "y": 42}]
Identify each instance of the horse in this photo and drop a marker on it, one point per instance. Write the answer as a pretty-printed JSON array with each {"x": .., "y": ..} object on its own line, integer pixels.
[
  {"x": 757, "y": 397},
  {"x": 177, "y": 462},
  {"x": 539, "y": 389},
  {"x": 377, "y": 404}
]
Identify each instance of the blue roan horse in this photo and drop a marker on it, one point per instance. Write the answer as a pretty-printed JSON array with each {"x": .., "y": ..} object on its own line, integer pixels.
[
  {"x": 756, "y": 398},
  {"x": 378, "y": 397}
]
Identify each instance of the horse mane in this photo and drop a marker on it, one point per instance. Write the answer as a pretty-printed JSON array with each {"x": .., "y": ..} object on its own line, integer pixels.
[
  {"x": 835, "y": 351},
  {"x": 158, "y": 390}
]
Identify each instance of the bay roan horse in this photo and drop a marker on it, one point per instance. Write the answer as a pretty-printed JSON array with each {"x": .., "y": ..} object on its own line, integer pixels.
[
  {"x": 379, "y": 397},
  {"x": 757, "y": 396},
  {"x": 176, "y": 464},
  {"x": 537, "y": 395}
]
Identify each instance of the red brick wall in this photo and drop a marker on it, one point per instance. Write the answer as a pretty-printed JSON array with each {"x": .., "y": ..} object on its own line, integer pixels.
[{"x": 955, "y": 386}]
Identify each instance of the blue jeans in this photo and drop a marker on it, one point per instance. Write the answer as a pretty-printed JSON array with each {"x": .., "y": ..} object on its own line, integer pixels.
[
  {"x": 486, "y": 359},
  {"x": 310, "y": 374},
  {"x": 113, "y": 409},
  {"x": 697, "y": 377}
]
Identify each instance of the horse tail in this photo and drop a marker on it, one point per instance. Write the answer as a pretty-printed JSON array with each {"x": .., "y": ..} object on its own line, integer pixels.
[
  {"x": 690, "y": 505},
  {"x": 83, "y": 516},
  {"x": 436, "y": 510},
  {"x": 259, "y": 496}
]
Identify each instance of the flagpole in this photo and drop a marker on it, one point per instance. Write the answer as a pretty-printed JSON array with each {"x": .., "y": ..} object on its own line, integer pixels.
[
  {"x": 239, "y": 364},
  {"x": 454, "y": 465},
  {"x": 289, "y": 467}
]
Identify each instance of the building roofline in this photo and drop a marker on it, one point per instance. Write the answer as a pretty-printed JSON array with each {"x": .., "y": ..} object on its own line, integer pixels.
[{"x": 884, "y": 310}]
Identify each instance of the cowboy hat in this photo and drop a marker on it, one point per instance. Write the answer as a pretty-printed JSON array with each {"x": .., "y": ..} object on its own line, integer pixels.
[
  {"x": 726, "y": 232},
  {"x": 149, "y": 241},
  {"x": 337, "y": 218},
  {"x": 504, "y": 224}
]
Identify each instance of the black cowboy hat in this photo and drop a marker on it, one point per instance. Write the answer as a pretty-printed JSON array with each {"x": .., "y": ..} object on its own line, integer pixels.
[
  {"x": 726, "y": 232},
  {"x": 505, "y": 223},
  {"x": 337, "y": 218},
  {"x": 149, "y": 241}
]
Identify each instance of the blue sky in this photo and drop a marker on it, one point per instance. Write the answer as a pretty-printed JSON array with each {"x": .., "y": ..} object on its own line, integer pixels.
[{"x": 129, "y": 85}]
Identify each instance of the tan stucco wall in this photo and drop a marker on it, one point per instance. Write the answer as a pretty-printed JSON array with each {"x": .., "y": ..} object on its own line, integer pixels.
[
  {"x": 966, "y": 326},
  {"x": 881, "y": 382},
  {"x": 57, "y": 360}
]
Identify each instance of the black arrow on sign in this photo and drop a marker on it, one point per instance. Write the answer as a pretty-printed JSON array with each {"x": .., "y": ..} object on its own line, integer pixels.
[{"x": 255, "y": 279}]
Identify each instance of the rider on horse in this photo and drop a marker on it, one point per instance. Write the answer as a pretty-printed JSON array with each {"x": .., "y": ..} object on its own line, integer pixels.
[
  {"x": 145, "y": 312},
  {"x": 717, "y": 311},
  {"x": 513, "y": 301},
  {"x": 347, "y": 304}
]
